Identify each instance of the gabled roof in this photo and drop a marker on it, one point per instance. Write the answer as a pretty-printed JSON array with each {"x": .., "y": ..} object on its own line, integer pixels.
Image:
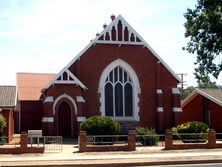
[
  {"x": 124, "y": 34},
  {"x": 31, "y": 84},
  {"x": 65, "y": 77},
  {"x": 212, "y": 94},
  {"x": 8, "y": 96}
]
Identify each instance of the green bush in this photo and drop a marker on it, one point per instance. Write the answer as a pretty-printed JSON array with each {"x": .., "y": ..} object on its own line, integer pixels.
[
  {"x": 147, "y": 136},
  {"x": 2, "y": 124},
  {"x": 193, "y": 127},
  {"x": 99, "y": 125}
]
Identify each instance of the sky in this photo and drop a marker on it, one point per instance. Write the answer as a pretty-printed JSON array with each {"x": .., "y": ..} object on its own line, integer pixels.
[{"x": 45, "y": 35}]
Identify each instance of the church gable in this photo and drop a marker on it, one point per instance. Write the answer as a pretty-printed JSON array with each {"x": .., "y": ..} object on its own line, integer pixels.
[
  {"x": 66, "y": 77},
  {"x": 119, "y": 32}
]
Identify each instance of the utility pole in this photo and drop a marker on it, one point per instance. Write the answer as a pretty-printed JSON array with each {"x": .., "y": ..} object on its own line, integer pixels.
[{"x": 181, "y": 75}]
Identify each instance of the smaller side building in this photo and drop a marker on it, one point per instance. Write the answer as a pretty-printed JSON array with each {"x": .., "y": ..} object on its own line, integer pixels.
[
  {"x": 204, "y": 105},
  {"x": 8, "y": 100}
]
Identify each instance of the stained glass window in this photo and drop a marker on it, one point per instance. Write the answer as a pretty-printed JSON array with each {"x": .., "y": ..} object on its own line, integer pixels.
[{"x": 118, "y": 93}]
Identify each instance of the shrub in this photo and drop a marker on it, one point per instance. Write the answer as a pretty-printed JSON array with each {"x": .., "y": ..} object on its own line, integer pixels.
[
  {"x": 147, "y": 136},
  {"x": 2, "y": 124},
  {"x": 99, "y": 125},
  {"x": 193, "y": 127}
]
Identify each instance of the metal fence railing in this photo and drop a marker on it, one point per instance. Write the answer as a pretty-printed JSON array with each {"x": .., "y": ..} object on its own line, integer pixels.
[
  {"x": 53, "y": 143},
  {"x": 198, "y": 138},
  {"x": 150, "y": 140},
  {"x": 106, "y": 139},
  {"x": 50, "y": 143}
]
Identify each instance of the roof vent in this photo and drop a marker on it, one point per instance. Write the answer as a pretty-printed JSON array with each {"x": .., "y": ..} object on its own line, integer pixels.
[{"x": 112, "y": 17}]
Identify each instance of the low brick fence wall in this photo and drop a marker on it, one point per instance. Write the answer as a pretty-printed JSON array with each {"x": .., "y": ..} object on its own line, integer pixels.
[
  {"x": 130, "y": 146},
  {"x": 211, "y": 142},
  {"x": 23, "y": 147}
]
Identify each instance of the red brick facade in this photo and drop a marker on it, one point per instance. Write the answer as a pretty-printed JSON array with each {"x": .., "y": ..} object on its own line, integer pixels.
[
  {"x": 156, "y": 103},
  {"x": 195, "y": 110}
]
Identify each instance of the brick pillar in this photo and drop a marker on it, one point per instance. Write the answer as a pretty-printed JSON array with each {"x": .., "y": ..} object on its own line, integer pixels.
[
  {"x": 160, "y": 112},
  {"x": 211, "y": 138},
  {"x": 24, "y": 140},
  {"x": 82, "y": 141},
  {"x": 131, "y": 140},
  {"x": 176, "y": 105},
  {"x": 168, "y": 140}
]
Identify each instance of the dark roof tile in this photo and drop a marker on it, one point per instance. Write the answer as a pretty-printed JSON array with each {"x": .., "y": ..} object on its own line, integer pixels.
[{"x": 7, "y": 96}]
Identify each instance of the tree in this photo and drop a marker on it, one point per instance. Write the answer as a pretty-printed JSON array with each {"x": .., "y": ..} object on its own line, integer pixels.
[
  {"x": 2, "y": 124},
  {"x": 185, "y": 92},
  {"x": 204, "y": 28}
]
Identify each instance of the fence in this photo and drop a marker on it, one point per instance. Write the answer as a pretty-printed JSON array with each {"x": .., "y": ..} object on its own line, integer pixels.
[
  {"x": 150, "y": 140},
  {"x": 191, "y": 141},
  {"x": 107, "y": 143},
  {"x": 24, "y": 144},
  {"x": 53, "y": 143},
  {"x": 20, "y": 146}
]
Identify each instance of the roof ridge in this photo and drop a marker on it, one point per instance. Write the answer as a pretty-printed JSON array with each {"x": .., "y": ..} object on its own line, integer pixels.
[{"x": 35, "y": 73}]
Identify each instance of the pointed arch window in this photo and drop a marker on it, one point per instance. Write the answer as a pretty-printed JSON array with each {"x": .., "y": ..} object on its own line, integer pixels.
[{"x": 118, "y": 93}]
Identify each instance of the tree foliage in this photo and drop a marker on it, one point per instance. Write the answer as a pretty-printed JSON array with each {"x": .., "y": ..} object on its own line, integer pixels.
[
  {"x": 2, "y": 124},
  {"x": 204, "y": 28},
  {"x": 185, "y": 92}
]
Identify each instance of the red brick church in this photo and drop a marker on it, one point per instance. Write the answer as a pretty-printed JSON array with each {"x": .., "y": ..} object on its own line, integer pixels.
[{"x": 117, "y": 74}]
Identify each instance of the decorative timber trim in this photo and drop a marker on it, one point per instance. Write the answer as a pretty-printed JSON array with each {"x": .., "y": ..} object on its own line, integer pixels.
[
  {"x": 65, "y": 77},
  {"x": 137, "y": 40}
]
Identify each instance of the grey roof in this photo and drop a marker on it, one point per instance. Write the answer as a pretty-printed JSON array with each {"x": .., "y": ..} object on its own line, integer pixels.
[
  {"x": 212, "y": 94},
  {"x": 8, "y": 95},
  {"x": 215, "y": 93}
]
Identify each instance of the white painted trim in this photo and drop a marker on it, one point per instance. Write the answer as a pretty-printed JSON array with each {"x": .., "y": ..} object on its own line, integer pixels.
[
  {"x": 95, "y": 40},
  {"x": 65, "y": 96},
  {"x": 56, "y": 81},
  {"x": 175, "y": 91},
  {"x": 177, "y": 109},
  {"x": 119, "y": 42},
  {"x": 47, "y": 119},
  {"x": 159, "y": 109},
  {"x": 135, "y": 82},
  {"x": 80, "y": 99},
  {"x": 159, "y": 91},
  {"x": 49, "y": 99},
  {"x": 81, "y": 119}
]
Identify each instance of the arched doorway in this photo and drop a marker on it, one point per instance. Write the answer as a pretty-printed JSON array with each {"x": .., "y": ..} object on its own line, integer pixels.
[{"x": 64, "y": 119}]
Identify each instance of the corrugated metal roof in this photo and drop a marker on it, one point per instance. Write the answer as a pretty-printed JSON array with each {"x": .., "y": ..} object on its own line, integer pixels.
[
  {"x": 31, "y": 84},
  {"x": 212, "y": 94},
  {"x": 8, "y": 96}
]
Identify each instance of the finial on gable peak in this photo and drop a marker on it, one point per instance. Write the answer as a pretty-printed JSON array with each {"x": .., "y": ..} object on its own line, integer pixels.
[{"x": 112, "y": 17}]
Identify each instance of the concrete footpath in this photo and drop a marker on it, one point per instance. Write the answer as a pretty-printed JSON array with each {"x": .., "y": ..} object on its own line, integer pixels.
[{"x": 142, "y": 156}]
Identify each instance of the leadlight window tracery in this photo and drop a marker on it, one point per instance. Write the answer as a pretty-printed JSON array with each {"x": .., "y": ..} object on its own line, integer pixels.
[{"x": 118, "y": 94}]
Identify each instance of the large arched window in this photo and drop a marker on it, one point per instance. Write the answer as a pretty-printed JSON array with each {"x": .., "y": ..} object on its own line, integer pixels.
[
  {"x": 118, "y": 94},
  {"x": 119, "y": 89}
]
